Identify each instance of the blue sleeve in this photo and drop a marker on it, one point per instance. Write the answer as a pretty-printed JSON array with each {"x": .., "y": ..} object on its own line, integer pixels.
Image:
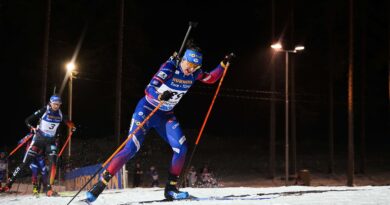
[{"x": 163, "y": 74}]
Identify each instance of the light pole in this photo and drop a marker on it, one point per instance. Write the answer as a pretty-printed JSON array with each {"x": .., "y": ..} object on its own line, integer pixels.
[
  {"x": 70, "y": 67},
  {"x": 279, "y": 48}
]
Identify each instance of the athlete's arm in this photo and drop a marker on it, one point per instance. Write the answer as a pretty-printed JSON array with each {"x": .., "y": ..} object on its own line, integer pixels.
[
  {"x": 211, "y": 77},
  {"x": 34, "y": 117},
  {"x": 164, "y": 73}
]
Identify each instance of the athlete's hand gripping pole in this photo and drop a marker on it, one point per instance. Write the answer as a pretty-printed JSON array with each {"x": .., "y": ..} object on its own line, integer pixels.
[
  {"x": 227, "y": 58},
  {"x": 118, "y": 149},
  {"x": 25, "y": 139}
]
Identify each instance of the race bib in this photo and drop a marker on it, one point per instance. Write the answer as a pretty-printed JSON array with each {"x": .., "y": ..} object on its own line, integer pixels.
[
  {"x": 49, "y": 128},
  {"x": 177, "y": 95}
]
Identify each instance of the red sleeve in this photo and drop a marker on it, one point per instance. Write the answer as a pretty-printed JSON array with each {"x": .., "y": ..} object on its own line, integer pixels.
[{"x": 213, "y": 76}]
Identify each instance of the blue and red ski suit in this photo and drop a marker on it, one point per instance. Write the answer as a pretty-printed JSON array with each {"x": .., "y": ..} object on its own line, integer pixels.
[{"x": 169, "y": 77}]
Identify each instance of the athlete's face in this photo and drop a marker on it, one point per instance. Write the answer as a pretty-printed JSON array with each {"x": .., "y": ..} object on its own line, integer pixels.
[
  {"x": 55, "y": 106},
  {"x": 188, "y": 67}
]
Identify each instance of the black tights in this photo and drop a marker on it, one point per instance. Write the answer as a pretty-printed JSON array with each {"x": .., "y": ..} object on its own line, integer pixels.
[{"x": 38, "y": 146}]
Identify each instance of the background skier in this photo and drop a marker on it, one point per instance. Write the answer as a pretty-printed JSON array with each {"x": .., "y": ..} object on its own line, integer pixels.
[{"x": 44, "y": 141}]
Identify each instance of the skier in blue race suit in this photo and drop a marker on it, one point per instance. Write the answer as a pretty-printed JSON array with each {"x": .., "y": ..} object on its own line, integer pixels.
[
  {"x": 169, "y": 84},
  {"x": 37, "y": 166}
]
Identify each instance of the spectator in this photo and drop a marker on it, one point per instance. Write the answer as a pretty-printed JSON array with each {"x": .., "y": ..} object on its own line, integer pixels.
[
  {"x": 137, "y": 175},
  {"x": 3, "y": 167},
  {"x": 205, "y": 167},
  {"x": 154, "y": 175},
  {"x": 207, "y": 178},
  {"x": 192, "y": 177}
]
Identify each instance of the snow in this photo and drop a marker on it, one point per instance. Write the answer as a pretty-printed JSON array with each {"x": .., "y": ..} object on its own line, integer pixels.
[{"x": 292, "y": 195}]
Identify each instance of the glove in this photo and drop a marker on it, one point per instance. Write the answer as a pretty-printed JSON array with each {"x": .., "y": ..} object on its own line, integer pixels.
[
  {"x": 165, "y": 96},
  {"x": 228, "y": 58},
  {"x": 175, "y": 58},
  {"x": 71, "y": 125},
  {"x": 33, "y": 130}
]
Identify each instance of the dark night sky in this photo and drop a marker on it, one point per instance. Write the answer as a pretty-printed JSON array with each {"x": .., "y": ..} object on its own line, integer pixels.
[{"x": 154, "y": 30}]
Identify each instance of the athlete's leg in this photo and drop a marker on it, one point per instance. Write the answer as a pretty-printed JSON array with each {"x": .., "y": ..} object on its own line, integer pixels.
[
  {"x": 170, "y": 130},
  {"x": 131, "y": 148},
  {"x": 34, "y": 171},
  {"x": 44, "y": 173},
  {"x": 134, "y": 144},
  {"x": 34, "y": 149},
  {"x": 34, "y": 178},
  {"x": 51, "y": 151}
]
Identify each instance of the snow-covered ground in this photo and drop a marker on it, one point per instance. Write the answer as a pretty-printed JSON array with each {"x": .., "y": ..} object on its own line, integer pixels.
[{"x": 292, "y": 195}]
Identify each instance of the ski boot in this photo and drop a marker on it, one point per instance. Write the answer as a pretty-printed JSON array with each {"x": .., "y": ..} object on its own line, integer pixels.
[
  {"x": 4, "y": 189},
  {"x": 50, "y": 192},
  {"x": 171, "y": 192},
  {"x": 7, "y": 186},
  {"x": 98, "y": 188},
  {"x": 35, "y": 189}
]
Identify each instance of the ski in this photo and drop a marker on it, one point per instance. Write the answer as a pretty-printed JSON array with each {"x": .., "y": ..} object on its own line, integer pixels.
[
  {"x": 72, "y": 193},
  {"x": 161, "y": 200},
  {"x": 212, "y": 198},
  {"x": 83, "y": 202}
]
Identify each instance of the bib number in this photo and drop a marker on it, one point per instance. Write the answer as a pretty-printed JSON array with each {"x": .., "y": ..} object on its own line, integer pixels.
[{"x": 51, "y": 126}]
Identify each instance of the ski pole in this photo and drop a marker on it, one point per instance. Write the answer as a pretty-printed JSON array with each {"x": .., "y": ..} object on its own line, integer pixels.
[
  {"x": 207, "y": 117},
  {"x": 65, "y": 144},
  {"x": 25, "y": 139},
  {"x": 190, "y": 26},
  {"x": 62, "y": 150},
  {"x": 119, "y": 148}
]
